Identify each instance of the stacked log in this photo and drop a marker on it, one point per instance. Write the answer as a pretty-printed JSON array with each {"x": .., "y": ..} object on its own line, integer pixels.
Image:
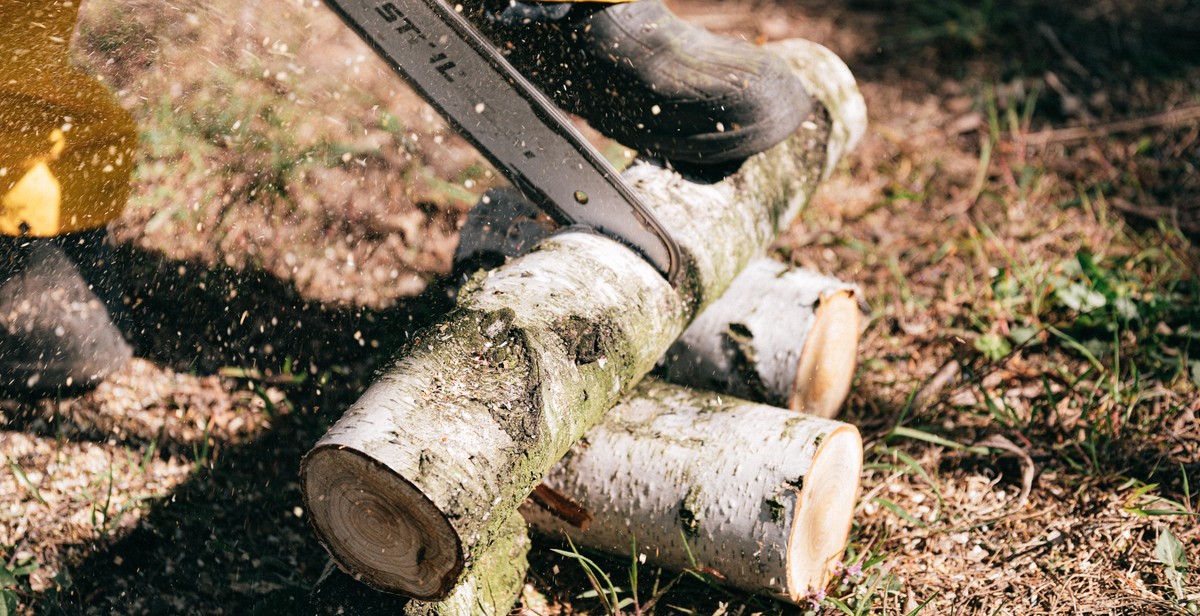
[
  {"x": 779, "y": 335},
  {"x": 678, "y": 465},
  {"x": 419, "y": 479},
  {"x": 490, "y": 589}
]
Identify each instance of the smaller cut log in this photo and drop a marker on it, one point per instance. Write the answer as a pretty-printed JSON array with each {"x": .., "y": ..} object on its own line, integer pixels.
[
  {"x": 779, "y": 335},
  {"x": 762, "y": 495}
]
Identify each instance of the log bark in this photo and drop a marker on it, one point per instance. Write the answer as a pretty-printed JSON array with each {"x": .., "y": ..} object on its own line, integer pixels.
[
  {"x": 763, "y": 496},
  {"x": 415, "y": 481},
  {"x": 781, "y": 336},
  {"x": 491, "y": 589},
  {"x": 494, "y": 584}
]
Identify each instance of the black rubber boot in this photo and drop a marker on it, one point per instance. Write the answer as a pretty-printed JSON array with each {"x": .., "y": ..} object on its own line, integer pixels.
[
  {"x": 55, "y": 332},
  {"x": 651, "y": 80}
]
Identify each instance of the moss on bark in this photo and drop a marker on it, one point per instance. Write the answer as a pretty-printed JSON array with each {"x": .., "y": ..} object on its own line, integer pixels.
[{"x": 491, "y": 587}]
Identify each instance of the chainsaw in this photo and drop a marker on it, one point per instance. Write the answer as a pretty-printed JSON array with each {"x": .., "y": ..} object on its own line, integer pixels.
[{"x": 512, "y": 123}]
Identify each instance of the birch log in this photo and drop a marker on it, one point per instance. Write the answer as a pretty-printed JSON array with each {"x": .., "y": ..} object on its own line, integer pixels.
[
  {"x": 779, "y": 335},
  {"x": 416, "y": 479},
  {"x": 763, "y": 495},
  {"x": 782, "y": 336}
]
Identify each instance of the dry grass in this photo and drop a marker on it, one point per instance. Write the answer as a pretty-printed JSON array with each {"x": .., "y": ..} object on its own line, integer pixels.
[{"x": 1018, "y": 214}]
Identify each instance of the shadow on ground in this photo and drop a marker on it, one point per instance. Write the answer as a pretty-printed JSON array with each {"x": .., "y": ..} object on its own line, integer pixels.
[
  {"x": 233, "y": 538},
  {"x": 1113, "y": 42},
  {"x": 234, "y": 533}
]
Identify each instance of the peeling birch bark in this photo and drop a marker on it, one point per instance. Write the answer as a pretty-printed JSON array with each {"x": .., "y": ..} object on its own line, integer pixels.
[
  {"x": 763, "y": 495},
  {"x": 414, "y": 482},
  {"x": 781, "y": 336}
]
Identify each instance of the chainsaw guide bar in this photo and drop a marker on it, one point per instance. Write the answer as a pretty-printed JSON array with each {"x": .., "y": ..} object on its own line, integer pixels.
[{"x": 517, "y": 127}]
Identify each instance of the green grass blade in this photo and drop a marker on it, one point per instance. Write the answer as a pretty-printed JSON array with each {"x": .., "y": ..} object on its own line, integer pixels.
[
  {"x": 22, "y": 479},
  {"x": 905, "y": 432},
  {"x": 898, "y": 510}
]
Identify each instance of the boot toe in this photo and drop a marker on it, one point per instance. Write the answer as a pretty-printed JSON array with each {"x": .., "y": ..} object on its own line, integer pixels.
[
  {"x": 662, "y": 85},
  {"x": 54, "y": 332},
  {"x": 705, "y": 118}
]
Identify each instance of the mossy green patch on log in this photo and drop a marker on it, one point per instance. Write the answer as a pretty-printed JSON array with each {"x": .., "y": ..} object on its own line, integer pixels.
[
  {"x": 492, "y": 587},
  {"x": 776, "y": 508},
  {"x": 690, "y": 513}
]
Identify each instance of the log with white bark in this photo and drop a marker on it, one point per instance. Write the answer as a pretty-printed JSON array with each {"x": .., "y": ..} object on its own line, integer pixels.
[
  {"x": 762, "y": 496},
  {"x": 773, "y": 322},
  {"x": 415, "y": 481},
  {"x": 779, "y": 335}
]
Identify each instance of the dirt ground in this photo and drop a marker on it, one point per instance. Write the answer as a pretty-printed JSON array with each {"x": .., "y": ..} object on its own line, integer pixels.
[{"x": 1021, "y": 216}]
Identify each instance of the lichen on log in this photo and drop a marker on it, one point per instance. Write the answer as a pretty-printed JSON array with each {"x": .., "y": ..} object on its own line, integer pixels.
[
  {"x": 491, "y": 589},
  {"x": 460, "y": 429},
  {"x": 495, "y": 582},
  {"x": 418, "y": 477},
  {"x": 779, "y": 335}
]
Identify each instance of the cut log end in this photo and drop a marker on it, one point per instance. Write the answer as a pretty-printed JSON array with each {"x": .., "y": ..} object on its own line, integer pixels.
[
  {"x": 378, "y": 526},
  {"x": 829, "y": 357},
  {"x": 822, "y": 519}
]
